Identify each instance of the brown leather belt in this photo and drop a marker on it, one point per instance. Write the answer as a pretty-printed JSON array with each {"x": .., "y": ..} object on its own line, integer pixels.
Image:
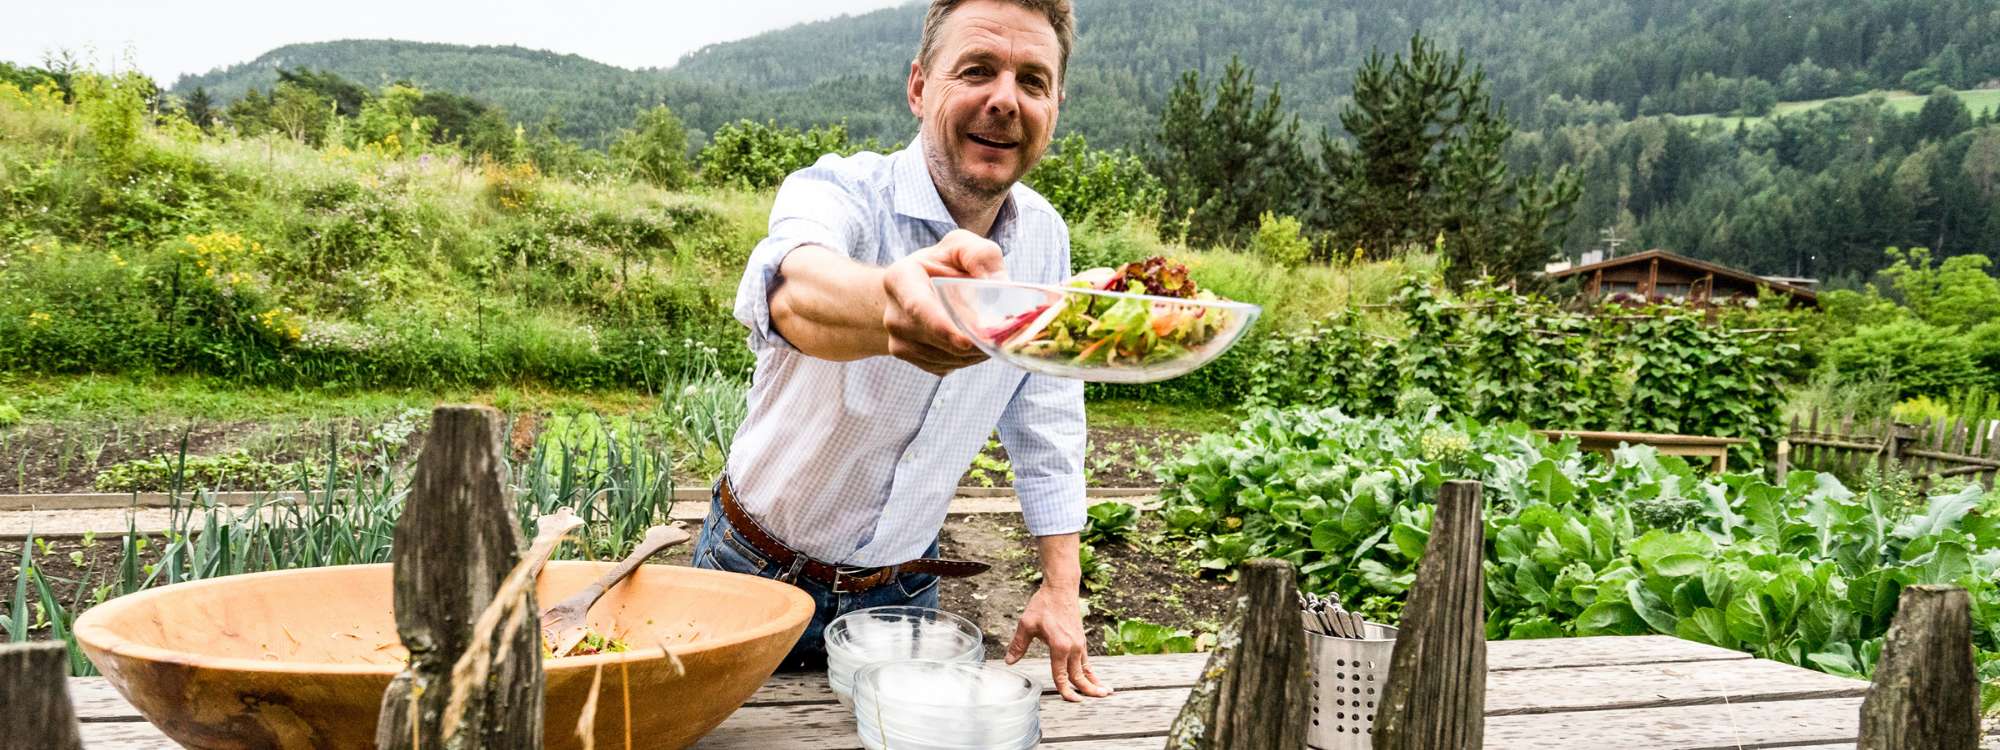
[{"x": 841, "y": 579}]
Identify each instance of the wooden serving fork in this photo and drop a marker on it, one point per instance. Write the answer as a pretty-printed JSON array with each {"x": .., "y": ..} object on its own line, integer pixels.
[{"x": 563, "y": 625}]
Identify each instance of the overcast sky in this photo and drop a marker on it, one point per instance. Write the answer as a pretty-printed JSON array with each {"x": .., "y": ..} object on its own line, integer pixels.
[{"x": 167, "y": 38}]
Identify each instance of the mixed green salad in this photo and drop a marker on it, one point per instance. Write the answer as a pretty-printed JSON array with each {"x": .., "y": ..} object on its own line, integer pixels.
[{"x": 1100, "y": 330}]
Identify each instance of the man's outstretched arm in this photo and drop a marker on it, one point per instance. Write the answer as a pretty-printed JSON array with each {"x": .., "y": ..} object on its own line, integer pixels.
[{"x": 832, "y": 307}]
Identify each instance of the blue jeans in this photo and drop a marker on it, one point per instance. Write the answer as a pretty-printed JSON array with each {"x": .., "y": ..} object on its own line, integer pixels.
[{"x": 721, "y": 548}]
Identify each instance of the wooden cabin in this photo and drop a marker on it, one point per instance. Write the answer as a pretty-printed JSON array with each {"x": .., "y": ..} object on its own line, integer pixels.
[{"x": 1661, "y": 276}]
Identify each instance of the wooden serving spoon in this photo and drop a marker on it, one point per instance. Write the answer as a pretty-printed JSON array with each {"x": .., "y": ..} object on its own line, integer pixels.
[{"x": 563, "y": 625}]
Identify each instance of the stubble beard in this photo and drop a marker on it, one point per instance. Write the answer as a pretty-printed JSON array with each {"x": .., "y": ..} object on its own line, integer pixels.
[{"x": 955, "y": 186}]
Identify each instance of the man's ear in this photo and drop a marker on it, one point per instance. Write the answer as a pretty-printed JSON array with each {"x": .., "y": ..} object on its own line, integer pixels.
[{"x": 915, "y": 89}]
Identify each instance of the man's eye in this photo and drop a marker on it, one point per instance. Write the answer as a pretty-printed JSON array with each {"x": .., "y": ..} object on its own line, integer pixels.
[
  {"x": 977, "y": 71},
  {"x": 1033, "y": 83}
]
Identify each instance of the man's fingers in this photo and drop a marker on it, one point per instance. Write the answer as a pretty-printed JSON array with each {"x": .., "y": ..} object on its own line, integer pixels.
[
  {"x": 1059, "y": 672},
  {"x": 1022, "y": 637},
  {"x": 923, "y": 316},
  {"x": 1086, "y": 680},
  {"x": 962, "y": 253}
]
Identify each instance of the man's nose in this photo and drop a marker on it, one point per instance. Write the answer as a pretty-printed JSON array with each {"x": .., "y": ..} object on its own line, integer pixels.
[{"x": 1005, "y": 98}]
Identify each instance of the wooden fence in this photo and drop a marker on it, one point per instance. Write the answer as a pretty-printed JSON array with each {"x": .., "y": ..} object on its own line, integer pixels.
[{"x": 1929, "y": 450}]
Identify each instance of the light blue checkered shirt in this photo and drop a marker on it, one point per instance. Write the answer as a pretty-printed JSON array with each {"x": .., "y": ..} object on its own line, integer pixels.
[{"x": 856, "y": 462}]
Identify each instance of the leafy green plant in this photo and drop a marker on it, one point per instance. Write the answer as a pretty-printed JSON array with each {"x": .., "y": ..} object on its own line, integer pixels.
[
  {"x": 1142, "y": 637},
  {"x": 10, "y": 415},
  {"x": 233, "y": 471},
  {"x": 1803, "y": 570},
  {"x": 1109, "y": 521}
]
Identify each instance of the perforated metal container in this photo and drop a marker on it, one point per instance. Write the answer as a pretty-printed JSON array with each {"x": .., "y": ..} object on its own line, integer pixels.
[{"x": 1348, "y": 676}]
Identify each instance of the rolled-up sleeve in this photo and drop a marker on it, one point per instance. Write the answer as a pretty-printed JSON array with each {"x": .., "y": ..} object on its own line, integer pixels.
[
  {"x": 815, "y": 206},
  {"x": 1043, "y": 430}
]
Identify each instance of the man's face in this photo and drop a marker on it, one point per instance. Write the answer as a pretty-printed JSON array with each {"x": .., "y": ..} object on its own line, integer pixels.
[{"x": 988, "y": 98}]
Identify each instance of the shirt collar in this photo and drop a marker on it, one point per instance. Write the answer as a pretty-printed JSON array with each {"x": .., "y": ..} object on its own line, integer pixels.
[{"x": 916, "y": 195}]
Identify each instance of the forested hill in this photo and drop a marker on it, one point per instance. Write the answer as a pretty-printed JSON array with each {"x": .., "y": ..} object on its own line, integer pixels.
[
  {"x": 589, "y": 99},
  {"x": 1552, "y": 61}
]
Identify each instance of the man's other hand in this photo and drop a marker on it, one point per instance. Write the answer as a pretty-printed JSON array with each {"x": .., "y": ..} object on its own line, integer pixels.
[{"x": 1055, "y": 616}]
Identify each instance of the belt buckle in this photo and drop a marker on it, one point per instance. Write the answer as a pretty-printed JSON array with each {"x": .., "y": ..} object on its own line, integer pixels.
[{"x": 843, "y": 573}]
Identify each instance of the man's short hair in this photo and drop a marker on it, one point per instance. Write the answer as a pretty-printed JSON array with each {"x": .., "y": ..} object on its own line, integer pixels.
[{"x": 1061, "y": 15}]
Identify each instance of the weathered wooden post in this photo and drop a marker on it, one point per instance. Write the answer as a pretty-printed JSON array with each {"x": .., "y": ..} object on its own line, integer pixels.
[
  {"x": 35, "y": 713},
  {"x": 1253, "y": 693},
  {"x": 1435, "y": 698},
  {"x": 1925, "y": 696},
  {"x": 455, "y": 544}
]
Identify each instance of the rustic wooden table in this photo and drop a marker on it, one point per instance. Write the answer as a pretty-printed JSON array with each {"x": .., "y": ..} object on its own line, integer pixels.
[
  {"x": 1635, "y": 693},
  {"x": 1714, "y": 450}
]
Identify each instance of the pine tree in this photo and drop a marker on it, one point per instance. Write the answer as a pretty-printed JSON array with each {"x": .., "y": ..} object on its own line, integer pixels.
[
  {"x": 1224, "y": 164},
  {"x": 199, "y": 109},
  {"x": 1944, "y": 115},
  {"x": 1425, "y": 162}
]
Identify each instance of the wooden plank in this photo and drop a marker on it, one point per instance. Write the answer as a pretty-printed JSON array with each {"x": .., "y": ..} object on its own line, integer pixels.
[
  {"x": 1987, "y": 431},
  {"x": 1810, "y": 458},
  {"x": 1655, "y": 708},
  {"x": 1732, "y": 725},
  {"x": 1126, "y": 714},
  {"x": 45, "y": 501},
  {"x": 1143, "y": 711},
  {"x": 1536, "y": 691},
  {"x": 96, "y": 700},
  {"x": 1650, "y": 438},
  {"x": 125, "y": 735},
  {"x": 1846, "y": 462}
]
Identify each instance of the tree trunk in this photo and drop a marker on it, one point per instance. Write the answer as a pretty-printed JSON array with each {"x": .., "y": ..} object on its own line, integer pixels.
[
  {"x": 1253, "y": 693},
  {"x": 455, "y": 543},
  {"x": 1435, "y": 698},
  {"x": 1925, "y": 695}
]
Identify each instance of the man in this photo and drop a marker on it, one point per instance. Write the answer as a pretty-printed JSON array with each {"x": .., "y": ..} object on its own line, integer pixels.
[{"x": 867, "y": 405}]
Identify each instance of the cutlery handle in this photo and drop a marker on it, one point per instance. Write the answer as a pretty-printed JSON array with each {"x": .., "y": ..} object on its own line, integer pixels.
[{"x": 657, "y": 538}]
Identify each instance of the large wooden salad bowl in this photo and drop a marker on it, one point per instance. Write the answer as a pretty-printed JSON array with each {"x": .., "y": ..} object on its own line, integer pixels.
[{"x": 300, "y": 658}]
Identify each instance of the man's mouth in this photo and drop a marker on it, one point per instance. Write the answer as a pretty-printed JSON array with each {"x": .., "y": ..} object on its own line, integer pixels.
[{"x": 992, "y": 142}]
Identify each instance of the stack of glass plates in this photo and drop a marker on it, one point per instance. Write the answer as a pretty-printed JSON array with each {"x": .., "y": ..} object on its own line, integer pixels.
[
  {"x": 866, "y": 636},
  {"x": 936, "y": 705}
]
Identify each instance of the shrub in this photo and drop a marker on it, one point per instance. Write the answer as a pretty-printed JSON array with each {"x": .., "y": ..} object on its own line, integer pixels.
[
  {"x": 1919, "y": 357},
  {"x": 749, "y": 156},
  {"x": 655, "y": 149},
  {"x": 1279, "y": 241},
  {"x": 1086, "y": 184}
]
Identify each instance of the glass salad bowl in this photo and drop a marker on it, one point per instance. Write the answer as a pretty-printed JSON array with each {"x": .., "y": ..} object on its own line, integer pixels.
[{"x": 1085, "y": 332}]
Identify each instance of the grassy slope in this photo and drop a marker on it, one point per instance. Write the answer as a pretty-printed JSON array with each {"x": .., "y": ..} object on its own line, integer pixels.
[
  {"x": 436, "y": 238},
  {"x": 1903, "y": 102}
]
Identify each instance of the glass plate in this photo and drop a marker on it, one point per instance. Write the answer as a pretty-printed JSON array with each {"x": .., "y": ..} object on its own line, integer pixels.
[{"x": 1010, "y": 321}]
